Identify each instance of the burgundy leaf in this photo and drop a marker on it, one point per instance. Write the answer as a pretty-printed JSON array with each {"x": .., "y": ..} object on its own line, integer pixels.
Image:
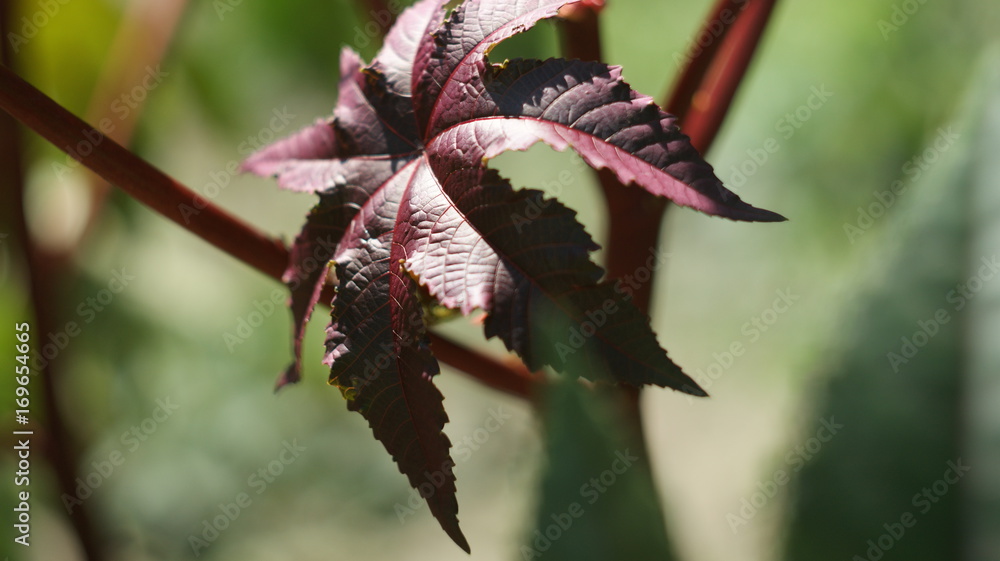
[
  {"x": 583, "y": 105},
  {"x": 406, "y": 200},
  {"x": 379, "y": 355},
  {"x": 452, "y": 77},
  {"x": 315, "y": 143},
  {"x": 399, "y": 51},
  {"x": 370, "y": 118},
  {"x": 470, "y": 241},
  {"x": 315, "y": 245},
  {"x": 306, "y": 274}
]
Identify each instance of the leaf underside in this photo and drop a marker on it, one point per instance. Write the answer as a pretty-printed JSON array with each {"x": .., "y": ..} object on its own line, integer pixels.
[{"x": 406, "y": 203}]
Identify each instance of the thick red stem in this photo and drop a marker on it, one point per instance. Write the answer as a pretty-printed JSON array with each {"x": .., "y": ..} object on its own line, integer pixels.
[{"x": 708, "y": 105}]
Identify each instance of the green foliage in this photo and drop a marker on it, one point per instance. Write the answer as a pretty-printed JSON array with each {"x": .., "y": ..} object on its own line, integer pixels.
[
  {"x": 598, "y": 499},
  {"x": 909, "y": 380}
]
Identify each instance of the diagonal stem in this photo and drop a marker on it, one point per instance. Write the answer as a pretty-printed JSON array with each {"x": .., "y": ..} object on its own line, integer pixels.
[
  {"x": 700, "y": 56},
  {"x": 700, "y": 100},
  {"x": 192, "y": 212},
  {"x": 137, "y": 177},
  {"x": 708, "y": 86},
  {"x": 582, "y": 40},
  {"x": 42, "y": 278}
]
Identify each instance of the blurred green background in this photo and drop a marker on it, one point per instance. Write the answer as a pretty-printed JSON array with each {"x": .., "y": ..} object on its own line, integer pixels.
[{"x": 900, "y": 91}]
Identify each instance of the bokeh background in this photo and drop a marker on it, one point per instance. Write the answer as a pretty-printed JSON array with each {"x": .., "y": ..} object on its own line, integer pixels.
[{"x": 860, "y": 97}]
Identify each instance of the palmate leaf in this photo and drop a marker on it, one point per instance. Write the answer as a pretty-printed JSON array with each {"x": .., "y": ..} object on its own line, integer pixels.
[{"x": 406, "y": 200}]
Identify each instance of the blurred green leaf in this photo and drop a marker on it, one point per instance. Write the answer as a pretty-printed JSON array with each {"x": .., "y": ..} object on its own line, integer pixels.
[
  {"x": 597, "y": 499},
  {"x": 914, "y": 358}
]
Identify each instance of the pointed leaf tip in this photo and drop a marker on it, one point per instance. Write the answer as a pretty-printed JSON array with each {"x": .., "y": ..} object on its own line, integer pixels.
[
  {"x": 754, "y": 214},
  {"x": 694, "y": 390},
  {"x": 291, "y": 375},
  {"x": 458, "y": 537}
]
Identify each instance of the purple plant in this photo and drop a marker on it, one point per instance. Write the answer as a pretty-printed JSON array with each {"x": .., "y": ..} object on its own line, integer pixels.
[
  {"x": 409, "y": 213},
  {"x": 407, "y": 204}
]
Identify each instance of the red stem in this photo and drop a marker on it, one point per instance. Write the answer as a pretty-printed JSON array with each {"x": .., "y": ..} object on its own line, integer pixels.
[
  {"x": 56, "y": 441},
  {"x": 582, "y": 40},
  {"x": 700, "y": 56},
  {"x": 710, "y": 103},
  {"x": 137, "y": 177},
  {"x": 635, "y": 216},
  {"x": 192, "y": 212},
  {"x": 513, "y": 379},
  {"x": 700, "y": 100}
]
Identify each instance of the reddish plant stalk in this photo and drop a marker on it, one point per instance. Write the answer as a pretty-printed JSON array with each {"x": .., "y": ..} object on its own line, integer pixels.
[
  {"x": 56, "y": 441},
  {"x": 141, "y": 40},
  {"x": 708, "y": 105},
  {"x": 582, "y": 40},
  {"x": 137, "y": 177},
  {"x": 700, "y": 101},
  {"x": 700, "y": 55}
]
